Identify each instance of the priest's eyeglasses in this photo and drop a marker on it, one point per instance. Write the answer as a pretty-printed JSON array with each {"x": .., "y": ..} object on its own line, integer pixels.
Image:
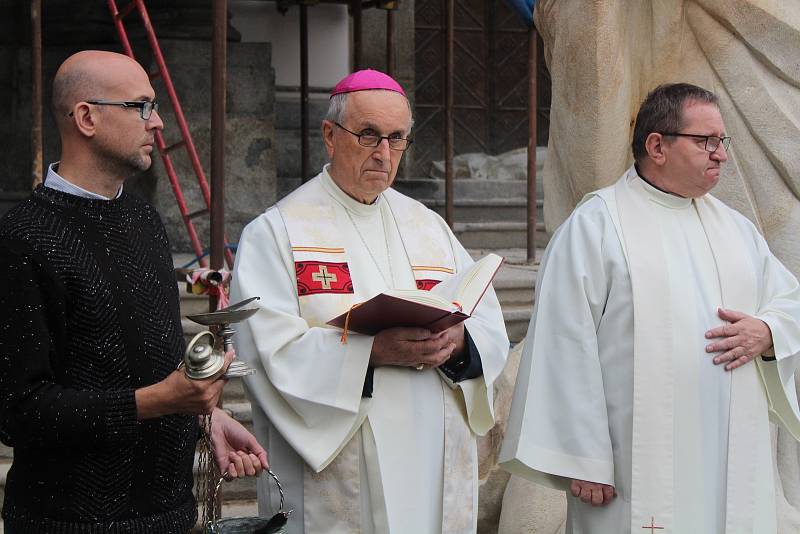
[
  {"x": 712, "y": 141},
  {"x": 372, "y": 140},
  {"x": 146, "y": 107}
]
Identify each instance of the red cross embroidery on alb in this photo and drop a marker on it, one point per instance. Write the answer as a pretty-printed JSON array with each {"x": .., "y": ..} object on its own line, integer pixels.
[{"x": 315, "y": 277}]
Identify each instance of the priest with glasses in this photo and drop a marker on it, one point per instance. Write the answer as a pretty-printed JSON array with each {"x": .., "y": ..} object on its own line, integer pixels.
[{"x": 375, "y": 433}]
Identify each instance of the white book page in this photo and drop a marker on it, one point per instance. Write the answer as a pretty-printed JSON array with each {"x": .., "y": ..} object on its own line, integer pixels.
[{"x": 467, "y": 287}]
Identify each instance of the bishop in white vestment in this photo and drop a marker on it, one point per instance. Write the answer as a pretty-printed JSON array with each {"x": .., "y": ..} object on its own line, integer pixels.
[
  {"x": 638, "y": 392},
  {"x": 363, "y": 445}
]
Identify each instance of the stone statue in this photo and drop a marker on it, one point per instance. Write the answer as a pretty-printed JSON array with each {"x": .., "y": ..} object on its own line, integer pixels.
[{"x": 604, "y": 57}]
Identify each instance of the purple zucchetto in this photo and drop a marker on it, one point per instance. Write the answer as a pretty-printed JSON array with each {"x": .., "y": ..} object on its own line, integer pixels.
[{"x": 365, "y": 80}]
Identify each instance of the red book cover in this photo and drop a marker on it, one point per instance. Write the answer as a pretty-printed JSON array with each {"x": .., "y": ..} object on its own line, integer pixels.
[{"x": 385, "y": 311}]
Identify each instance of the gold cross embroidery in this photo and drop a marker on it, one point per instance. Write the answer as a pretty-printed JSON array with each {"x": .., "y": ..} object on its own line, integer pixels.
[
  {"x": 652, "y": 526},
  {"x": 324, "y": 277}
]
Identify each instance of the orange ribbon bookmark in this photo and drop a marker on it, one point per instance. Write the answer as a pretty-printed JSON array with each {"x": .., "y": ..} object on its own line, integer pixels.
[{"x": 343, "y": 339}]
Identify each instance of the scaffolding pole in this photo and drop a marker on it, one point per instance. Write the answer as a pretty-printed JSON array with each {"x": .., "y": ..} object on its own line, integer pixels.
[
  {"x": 356, "y": 9},
  {"x": 532, "y": 110},
  {"x": 390, "y": 42},
  {"x": 448, "y": 112},
  {"x": 36, "y": 92},
  {"x": 218, "y": 83},
  {"x": 304, "y": 148}
]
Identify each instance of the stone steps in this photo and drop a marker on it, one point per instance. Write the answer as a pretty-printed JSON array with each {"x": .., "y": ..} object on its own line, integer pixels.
[
  {"x": 486, "y": 210},
  {"x": 498, "y": 234}
]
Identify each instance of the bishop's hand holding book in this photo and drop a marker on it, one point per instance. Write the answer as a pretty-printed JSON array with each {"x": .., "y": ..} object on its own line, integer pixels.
[{"x": 449, "y": 303}]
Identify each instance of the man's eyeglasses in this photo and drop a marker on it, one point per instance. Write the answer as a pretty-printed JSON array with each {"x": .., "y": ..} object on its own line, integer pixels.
[
  {"x": 712, "y": 141},
  {"x": 372, "y": 140},
  {"x": 146, "y": 107}
]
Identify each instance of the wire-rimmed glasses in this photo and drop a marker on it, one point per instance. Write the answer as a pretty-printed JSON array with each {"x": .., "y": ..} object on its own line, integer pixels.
[{"x": 372, "y": 140}]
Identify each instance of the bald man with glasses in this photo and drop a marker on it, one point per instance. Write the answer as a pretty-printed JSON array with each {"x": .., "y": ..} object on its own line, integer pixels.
[{"x": 102, "y": 424}]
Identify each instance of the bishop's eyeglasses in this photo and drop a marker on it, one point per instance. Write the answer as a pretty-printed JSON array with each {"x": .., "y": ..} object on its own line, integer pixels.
[
  {"x": 712, "y": 141},
  {"x": 146, "y": 107},
  {"x": 372, "y": 140}
]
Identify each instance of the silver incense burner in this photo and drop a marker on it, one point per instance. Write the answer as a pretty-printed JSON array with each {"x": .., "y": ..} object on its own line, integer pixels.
[{"x": 201, "y": 359}]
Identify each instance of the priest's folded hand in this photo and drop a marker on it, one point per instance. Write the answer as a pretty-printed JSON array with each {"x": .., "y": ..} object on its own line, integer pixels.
[
  {"x": 745, "y": 338},
  {"x": 179, "y": 394},
  {"x": 456, "y": 335},
  {"x": 592, "y": 493},
  {"x": 411, "y": 347}
]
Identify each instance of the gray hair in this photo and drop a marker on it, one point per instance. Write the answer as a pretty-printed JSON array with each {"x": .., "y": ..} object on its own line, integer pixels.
[
  {"x": 662, "y": 111},
  {"x": 338, "y": 106}
]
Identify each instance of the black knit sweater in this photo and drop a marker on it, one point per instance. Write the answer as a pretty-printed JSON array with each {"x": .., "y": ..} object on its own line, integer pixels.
[{"x": 88, "y": 313}]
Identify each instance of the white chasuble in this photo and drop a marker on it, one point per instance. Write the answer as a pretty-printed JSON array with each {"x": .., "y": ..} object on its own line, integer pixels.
[
  {"x": 405, "y": 459},
  {"x": 615, "y": 385}
]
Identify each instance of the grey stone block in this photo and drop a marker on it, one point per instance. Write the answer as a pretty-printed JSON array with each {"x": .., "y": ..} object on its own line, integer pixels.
[
  {"x": 249, "y": 180},
  {"x": 288, "y": 116},
  {"x": 288, "y": 161}
]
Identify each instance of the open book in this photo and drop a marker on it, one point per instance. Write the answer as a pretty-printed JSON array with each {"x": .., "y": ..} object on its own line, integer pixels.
[{"x": 448, "y": 303}]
